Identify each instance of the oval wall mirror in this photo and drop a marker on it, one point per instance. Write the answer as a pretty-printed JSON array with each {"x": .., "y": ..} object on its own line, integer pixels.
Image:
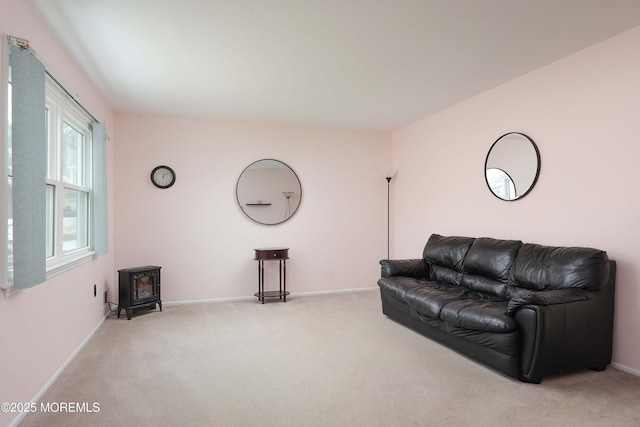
[
  {"x": 268, "y": 191},
  {"x": 512, "y": 166}
]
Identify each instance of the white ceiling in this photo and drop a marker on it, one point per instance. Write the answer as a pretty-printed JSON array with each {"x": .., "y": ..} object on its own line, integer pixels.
[{"x": 359, "y": 64}]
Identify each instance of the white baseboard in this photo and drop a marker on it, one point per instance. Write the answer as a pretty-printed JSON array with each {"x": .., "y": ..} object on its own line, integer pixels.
[
  {"x": 293, "y": 294},
  {"x": 336, "y": 291},
  {"x": 626, "y": 369},
  {"x": 204, "y": 301},
  {"x": 59, "y": 371}
]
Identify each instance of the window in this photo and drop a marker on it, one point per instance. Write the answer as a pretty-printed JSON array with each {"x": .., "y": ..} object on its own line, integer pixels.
[
  {"x": 55, "y": 162},
  {"x": 68, "y": 194}
]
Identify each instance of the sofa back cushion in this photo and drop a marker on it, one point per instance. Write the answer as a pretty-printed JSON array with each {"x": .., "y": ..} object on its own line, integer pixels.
[
  {"x": 487, "y": 265},
  {"x": 538, "y": 267},
  {"x": 445, "y": 256}
]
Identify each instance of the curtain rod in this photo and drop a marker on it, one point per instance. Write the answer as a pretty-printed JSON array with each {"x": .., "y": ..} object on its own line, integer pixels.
[
  {"x": 73, "y": 98},
  {"x": 24, "y": 44}
]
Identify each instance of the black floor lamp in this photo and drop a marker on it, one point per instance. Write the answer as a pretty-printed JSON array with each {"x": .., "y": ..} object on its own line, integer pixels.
[{"x": 389, "y": 176}]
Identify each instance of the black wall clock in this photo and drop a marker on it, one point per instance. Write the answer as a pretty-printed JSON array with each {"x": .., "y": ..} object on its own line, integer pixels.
[{"x": 163, "y": 176}]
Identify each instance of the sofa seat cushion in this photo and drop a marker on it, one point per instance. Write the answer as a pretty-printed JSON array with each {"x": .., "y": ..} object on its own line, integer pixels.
[
  {"x": 478, "y": 315},
  {"x": 430, "y": 299}
]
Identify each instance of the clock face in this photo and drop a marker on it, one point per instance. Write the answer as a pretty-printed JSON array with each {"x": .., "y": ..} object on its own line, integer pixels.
[{"x": 163, "y": 177}]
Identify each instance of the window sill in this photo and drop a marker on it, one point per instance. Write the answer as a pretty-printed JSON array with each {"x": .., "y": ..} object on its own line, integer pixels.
[
  {"x": 69, "y": 263},
  {"x": 54, "y": 270}
]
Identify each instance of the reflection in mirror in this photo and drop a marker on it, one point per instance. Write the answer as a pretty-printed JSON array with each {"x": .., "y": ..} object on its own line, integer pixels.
[
  {"x": 512, "y": 166},
  {"x": 501, "y": 184},
  {"x": 268, "y": 192}
]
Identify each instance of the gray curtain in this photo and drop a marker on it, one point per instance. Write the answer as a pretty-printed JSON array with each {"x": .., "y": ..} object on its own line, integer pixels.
[
  {"x": 100, "y": 207},
  {"x": 29, "y": 145}
]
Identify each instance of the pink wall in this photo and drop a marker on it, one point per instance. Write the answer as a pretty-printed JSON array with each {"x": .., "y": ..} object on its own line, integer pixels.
[
  {"x": 196, "y": 231},
  {"x": 583, "y": 113},
  {"x": 41, "y": 327}
]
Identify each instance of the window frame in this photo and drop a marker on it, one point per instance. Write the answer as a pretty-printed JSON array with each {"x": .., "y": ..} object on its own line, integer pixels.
[{"x": 67, "y": 111}]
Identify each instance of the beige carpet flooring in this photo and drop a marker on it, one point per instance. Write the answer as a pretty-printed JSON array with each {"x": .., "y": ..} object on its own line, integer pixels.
[{"x": 323, "y": 360}]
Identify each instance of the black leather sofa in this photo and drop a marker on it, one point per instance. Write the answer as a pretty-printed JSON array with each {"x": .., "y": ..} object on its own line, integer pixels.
[{"x": 525, "y": 310}]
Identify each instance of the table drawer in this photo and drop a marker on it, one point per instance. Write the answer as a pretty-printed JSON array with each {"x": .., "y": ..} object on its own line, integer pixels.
[{"x": 276, "y": 254}]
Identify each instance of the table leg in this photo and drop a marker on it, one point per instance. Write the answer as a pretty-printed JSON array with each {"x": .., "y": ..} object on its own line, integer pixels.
[
  {"x": 262, "y": 280},
  {"x": 284, "y": 261},
  {"x": 280, "y": 290}
]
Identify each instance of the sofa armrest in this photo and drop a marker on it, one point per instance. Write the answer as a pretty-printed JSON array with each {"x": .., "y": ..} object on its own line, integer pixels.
[
  {"x": 564, "y": 337},
  {"x": 521, "y": 297},
  {"x": 404, "y": 267}
]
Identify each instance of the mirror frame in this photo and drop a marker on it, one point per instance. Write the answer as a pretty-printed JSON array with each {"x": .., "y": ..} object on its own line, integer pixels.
[
  {"x": 509, "y": 173},
  {"x": 294, "y": 175}
]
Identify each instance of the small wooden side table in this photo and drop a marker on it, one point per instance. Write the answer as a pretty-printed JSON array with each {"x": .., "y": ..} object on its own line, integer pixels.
[{"x": 272, "y": 254}]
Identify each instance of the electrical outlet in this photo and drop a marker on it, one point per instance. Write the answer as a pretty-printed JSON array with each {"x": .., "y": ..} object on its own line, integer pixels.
[
  {"x": 106, "y": 297},
  {"x": 95, "y": 291}
]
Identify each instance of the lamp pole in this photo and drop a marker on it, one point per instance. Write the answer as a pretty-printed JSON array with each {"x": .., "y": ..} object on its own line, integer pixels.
[{"x": 388, "y": 212}]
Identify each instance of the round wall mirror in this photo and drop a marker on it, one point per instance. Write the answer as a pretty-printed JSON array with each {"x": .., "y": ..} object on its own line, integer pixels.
[
  {"x": 512, "y": 166},
  {"x": 268, "y": 191}
]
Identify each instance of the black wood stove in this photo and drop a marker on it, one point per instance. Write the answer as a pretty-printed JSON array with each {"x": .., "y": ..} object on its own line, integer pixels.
[{"x": 139, "y": 287}]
